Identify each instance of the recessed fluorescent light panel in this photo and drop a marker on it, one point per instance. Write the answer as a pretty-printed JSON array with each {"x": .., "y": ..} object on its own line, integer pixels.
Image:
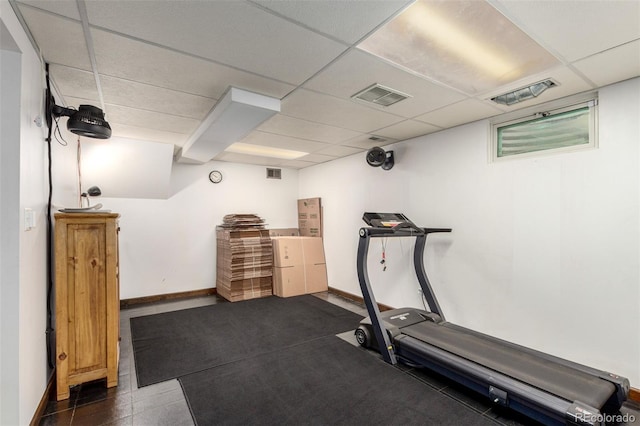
[
  {"x": 265, "y": 151},
  {"x": 524, "y": 93},
  {"x": 467, "y": 45}
]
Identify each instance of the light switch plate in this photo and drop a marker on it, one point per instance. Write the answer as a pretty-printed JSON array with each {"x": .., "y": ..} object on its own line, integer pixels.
[{"x": 29, "y": 219}]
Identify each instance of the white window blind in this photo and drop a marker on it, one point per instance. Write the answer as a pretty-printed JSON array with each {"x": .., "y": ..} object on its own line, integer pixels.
[{"x": 562, "y": 128}]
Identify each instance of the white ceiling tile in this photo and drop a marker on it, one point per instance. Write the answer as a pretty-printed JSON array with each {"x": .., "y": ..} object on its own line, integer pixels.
[
  {"x": 576, "y": 28},
  {"x": 81, "y": 84},
  {"x": 147, "y": 134},
  {"x": 312, "y": 106},
  {"x": 230, "y": 32},
  {"x": 122, "y": 57},
  {"x": 297, "y": 128},
  {"x": 363, "y": 142},
  {"x": 295, "y": 164},
  {"x": 74, "y": 83},
  {"x": 463, "y": 112},
  {"x": 612, "y": 65},
  {"x": 76, "y": 102},
  {"x": 358, "y": 70},
  {"x": 151, "y": 119},
  {"x": 284, "y": 142},
  {"x": 407, "y": 129},
  {"x": 338, "y": 150},
  {"x": 153, "y": 98},
  {"x": 348, "y": 21},
  {"x": 68, "y": 8},
  {"x": 317, "y": 158},
  {"x": 61, "y": 41}
]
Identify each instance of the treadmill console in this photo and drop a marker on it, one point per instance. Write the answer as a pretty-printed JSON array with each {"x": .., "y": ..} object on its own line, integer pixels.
[{"x": 385, "y": 220}]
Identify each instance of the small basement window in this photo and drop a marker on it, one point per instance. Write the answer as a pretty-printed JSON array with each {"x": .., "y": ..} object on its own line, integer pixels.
[{"x": 569, "y": 124}]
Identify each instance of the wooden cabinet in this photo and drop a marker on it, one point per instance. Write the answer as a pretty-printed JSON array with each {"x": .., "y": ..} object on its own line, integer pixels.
[{"x": 87, "y": 299}]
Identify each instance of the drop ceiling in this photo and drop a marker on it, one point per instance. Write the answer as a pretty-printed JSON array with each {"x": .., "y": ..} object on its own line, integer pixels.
[{"x": 157, "y": 67}]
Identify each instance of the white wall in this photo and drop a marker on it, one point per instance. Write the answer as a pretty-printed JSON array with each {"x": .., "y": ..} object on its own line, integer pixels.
[
  {"x": 544, "y": 252},
  {"x": 33, "y": 247},
  {"x": 127, "y": 168},
  {"x": 169, "y": 246},
  {"x": 10, "y": 70},
  {"x": 25, "y": 319}
]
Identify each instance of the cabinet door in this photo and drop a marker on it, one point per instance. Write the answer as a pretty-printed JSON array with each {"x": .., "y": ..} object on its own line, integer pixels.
[{"x": 86, "y": 298}]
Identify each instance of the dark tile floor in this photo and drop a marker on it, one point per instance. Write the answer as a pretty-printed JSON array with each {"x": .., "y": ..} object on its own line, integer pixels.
[{"x": 164, "y": 403}]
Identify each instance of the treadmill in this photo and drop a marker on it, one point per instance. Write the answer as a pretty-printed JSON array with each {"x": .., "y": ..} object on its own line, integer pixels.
[{"x": 546, "y": 388}]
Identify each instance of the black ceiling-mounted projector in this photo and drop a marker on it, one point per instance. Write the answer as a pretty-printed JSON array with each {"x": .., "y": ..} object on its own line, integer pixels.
[{"x": 378, "y": 157}]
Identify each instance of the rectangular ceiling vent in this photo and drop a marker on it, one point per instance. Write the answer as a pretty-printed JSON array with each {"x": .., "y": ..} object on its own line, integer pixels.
[
  {"x": 380, "y": 95},
  {"x": 377, "y": 139},
  {"x": 274, "y": 173}
]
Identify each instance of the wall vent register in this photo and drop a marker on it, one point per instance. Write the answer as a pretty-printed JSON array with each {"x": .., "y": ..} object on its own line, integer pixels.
[{"x": 274, "y": 173}]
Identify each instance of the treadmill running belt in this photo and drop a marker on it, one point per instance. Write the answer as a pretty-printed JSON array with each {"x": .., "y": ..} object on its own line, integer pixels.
[{"x": 557, "y": 379}]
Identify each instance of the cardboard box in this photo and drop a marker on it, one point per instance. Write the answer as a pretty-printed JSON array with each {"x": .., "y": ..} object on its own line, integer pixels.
[
  {"x": 299, "y": 266},
  {"x": 244, "y": 265},
  {"x": 312, "y": 250},
  {"x": 310, "y": 217},
  {"x": 289, "y": 281},
  {"x": 284, "y": 232},
  {"x": 316, "y": 278},
  {"x": 287, "y": 251},
  {"x": 244, "y": 289}
]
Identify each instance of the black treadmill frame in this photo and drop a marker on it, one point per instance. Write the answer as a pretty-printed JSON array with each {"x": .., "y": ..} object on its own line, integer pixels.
[
  {"x": 502, "y": 389},
  {"x": 420, "y": 234}
]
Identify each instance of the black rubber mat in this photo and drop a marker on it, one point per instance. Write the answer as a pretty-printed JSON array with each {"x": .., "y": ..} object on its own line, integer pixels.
[
  {"x": 326, "y": 381},
  {"x": 172, "y": 344}
]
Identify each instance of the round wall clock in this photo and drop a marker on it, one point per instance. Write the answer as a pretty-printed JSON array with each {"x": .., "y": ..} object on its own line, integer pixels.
[{"x": 215, "y": 176}]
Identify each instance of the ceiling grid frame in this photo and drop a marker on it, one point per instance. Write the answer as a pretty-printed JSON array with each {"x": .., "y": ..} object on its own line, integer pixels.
[{"x": 340, "y": 24}]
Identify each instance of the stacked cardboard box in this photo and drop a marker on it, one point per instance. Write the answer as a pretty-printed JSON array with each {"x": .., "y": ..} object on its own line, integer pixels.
[
  {"x": 242, "y": 221},
  {"x": 244, "y": 267},
  {"x": 284, "y": 232},
  {"x": 310, "y": 217},
  {"x": 299, "y": 266}
]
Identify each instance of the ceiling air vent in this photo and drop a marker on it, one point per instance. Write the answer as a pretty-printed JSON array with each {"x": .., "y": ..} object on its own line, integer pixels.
[
  {"x": 274, "y": 173},
  {"x": 380, "y": 95},
  {"x": 524, "y": 93},
  {"x": 377, "y": 139}
]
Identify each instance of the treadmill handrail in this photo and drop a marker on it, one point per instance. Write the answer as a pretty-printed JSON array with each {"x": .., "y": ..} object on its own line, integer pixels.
[{"x": 420, "y": 234}]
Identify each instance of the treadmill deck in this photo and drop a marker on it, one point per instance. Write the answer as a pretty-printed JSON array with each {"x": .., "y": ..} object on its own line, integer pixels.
[{"x": 557, "y": 379}]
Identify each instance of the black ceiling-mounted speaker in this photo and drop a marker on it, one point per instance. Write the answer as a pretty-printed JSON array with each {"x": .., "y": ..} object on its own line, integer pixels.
[
  {"x": 378, "y": 157},
  {"x": 86, "y": 121}
]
